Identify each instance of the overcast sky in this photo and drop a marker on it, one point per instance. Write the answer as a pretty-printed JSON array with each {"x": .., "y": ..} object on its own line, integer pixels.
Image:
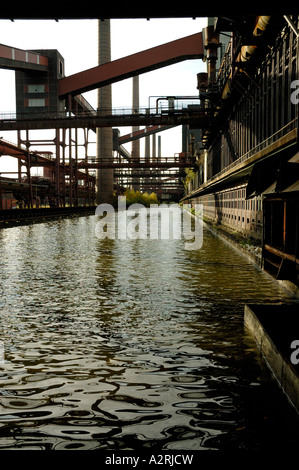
[{"x": 77, "y": 43}]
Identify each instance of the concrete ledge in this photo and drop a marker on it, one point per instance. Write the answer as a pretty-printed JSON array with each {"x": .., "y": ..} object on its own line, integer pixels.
[
  {"x": 225, "y": 234},
  {"x": 275, "y": 327}
]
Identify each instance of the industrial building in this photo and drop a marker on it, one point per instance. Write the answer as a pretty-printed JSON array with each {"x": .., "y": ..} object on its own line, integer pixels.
[
  {"x": 247, "y": 175},
  {"x": 127, "y": 346},
  {"x": 240, "y": 141}
]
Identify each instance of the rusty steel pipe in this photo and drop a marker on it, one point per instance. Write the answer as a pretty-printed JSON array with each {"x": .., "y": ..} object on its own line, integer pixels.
[
  {"x": 246, "y": 52},
  {"x": 260, "y": 27}
]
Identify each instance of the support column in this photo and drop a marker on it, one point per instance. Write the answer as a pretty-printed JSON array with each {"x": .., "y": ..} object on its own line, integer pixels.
[
  {"x": 135, "y": 152},
  {"x": 154, "y": 157},
  {"x": 135, "y": 106},
  {"x": 57, "y": 168},
  {"x": 86, "y": 181},
  {"x": 28, "y": 161},
  {"x": 147, "y": 149},
  {"x": 19, "y": 160},
  {"x": 1, "y": 206},
  {"x": 154, "y": 148},
  {"x": 104, "y": 177},
  {"x": 159, "y": 154},
  {"x": 76, "y": 168},
  {"x": 70, "y": 169},
  {"x": 159, "y": 148},
  {"x": 205, "y": 166},
  {"x": 63, "y": 169}
]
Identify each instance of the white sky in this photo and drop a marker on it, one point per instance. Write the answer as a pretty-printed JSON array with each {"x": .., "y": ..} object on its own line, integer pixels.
[{"x": 76, "y": 40}]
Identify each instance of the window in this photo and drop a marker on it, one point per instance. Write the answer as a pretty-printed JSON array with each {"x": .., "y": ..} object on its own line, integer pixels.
[
  {"x": 36, "y": 88},
  {"x": 36, "y": 102}
]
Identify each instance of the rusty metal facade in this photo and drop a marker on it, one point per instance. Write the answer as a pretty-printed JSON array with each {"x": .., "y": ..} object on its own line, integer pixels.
[{"x": 250, "y": 148}]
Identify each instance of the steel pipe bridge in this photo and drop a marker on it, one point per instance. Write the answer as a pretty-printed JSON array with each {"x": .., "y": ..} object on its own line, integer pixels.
[
  {"x": 63, "y": 108},
  {"x": 192, "y": 117}
]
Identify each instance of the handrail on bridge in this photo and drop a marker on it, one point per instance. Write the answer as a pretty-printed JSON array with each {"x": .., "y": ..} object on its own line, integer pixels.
[{"x": 103, "y": 112}]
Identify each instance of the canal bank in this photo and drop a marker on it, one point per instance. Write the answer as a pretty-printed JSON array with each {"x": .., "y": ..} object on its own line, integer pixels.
[
  {"x": 246, "y": 247},
  {"x": 15, "y": 217},
  {"x": 276, "y": 332},
  {"x": 251, "y": 250},
  {"x": 275, "y": 328}
]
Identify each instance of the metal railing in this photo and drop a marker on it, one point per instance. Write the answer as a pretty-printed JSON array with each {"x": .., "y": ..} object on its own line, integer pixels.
[
  {"x": 291, "y": 126},
  {"x": 179, "y": 106},
  {"x": 181, "y": 159}
]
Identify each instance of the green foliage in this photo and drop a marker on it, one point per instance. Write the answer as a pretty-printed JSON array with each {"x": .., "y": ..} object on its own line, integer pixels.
[
  {"x": 190, "y": 175},
  {"x": 136, "y": 197}
]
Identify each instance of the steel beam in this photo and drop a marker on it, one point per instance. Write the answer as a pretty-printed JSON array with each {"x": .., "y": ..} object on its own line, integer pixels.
[
  {"x": 142, "y": 133},
  {"x": 190, "y": 47},
  {"x": 196, "y": 119},
  {"x": 170, "y": 164}
]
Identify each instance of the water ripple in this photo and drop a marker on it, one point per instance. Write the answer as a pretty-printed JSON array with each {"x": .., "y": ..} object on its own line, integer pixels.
[{"x": 115, "y": 344}]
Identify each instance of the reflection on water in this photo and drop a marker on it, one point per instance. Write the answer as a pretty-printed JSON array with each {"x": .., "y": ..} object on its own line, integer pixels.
[{"x": 127, "y": 344}]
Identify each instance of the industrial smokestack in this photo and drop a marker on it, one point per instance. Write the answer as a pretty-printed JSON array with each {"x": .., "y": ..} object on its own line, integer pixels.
[{"x": 104, "y": 177}]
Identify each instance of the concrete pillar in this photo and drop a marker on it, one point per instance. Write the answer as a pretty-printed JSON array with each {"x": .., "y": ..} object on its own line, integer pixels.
[
  {"x": 159, "y": 153},
  {"x": 135, "y": 106},
  {"x": 153, "y": 148},
  {"x": 135, "y": 151},
  {"x": 154, "y": 155},
  {"x": 57, "y": 168},
  {"x": 104, "y": 177},
  {"x": 147, "y": 147},
  {"x": 159, "y": 147}
]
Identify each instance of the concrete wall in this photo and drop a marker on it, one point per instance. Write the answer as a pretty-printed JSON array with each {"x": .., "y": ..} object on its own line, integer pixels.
[
  {"x": 230, "y": 210},
  {"x": 274, "y": 352}
]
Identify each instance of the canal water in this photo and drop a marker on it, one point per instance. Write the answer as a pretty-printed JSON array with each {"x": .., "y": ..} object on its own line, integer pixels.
[{"x": 132, "y": 344}]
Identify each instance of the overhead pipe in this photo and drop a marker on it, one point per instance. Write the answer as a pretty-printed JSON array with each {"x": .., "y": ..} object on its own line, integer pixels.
[
  {"x": 211, "y": 44},
  {"x": 244, "y": 55},
  {"x": 171, "y": 100},
  {"x": 247, "y": 51},
  {"x": 259, "y": 29}
]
